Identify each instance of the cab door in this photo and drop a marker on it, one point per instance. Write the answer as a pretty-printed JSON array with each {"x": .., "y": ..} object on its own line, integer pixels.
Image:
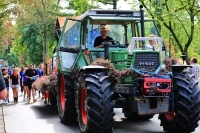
[{"x": 68, "y": 48}]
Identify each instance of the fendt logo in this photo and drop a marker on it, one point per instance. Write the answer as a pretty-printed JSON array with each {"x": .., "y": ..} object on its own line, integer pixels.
[{"x": 146, "y": 63}]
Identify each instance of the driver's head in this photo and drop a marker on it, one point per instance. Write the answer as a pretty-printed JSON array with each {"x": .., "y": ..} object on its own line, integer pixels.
[
  {"x": 152, "y": 42},
  {"x": 103, "y": 30}
]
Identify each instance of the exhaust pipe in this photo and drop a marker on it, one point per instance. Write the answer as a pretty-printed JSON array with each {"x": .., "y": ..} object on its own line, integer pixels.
[
  {"x": 142, "y": 21},
  {"x": 106, "y": 49}
]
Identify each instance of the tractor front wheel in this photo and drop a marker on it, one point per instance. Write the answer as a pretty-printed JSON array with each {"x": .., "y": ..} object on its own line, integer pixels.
[
  {"x": 95, "y": 103},
  {"x": 185, "y": 116}
]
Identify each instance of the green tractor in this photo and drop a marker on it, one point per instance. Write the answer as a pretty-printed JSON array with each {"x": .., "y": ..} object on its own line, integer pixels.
[{"x": 88, "y": 93}]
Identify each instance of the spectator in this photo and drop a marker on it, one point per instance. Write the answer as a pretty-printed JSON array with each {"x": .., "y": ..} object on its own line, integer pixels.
[
  {"x": 40, "y": 71},
  {"x": 6, "y": 79},
  {"x": 31, "y": 75},
  {"x": 3, "y": 92},
  {"x": 9, "y": 71},
  {"x": 151, "y": 45},
  {"x": 21, "y": 83},
  {"x": 195, "y": 68},
  {"x": 14, "y": 79},
  {"x": 24, "y": 84}
]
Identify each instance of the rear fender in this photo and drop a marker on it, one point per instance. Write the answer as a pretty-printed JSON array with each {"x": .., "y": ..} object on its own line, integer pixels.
[{"x": 179, "y": 68}]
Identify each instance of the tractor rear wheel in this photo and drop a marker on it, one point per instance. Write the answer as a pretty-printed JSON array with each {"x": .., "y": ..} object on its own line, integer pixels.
[
  {"x": 185, "y": 116},
  {"x": 95, "y": 103},
  {"x": 66, "y": 99}
]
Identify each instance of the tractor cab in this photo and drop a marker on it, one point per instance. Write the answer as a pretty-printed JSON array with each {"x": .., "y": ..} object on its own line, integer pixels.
[{"x": 122, "y": 26}]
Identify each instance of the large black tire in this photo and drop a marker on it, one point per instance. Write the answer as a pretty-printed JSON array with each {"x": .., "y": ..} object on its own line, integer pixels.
[
  {"x": 52, "y": 98},
  {"x": 66, "y": 99},
  {"x": 95, "y": 103},
  {"x": 135, "y": 117},
  {"x": 187, "y": 105}
]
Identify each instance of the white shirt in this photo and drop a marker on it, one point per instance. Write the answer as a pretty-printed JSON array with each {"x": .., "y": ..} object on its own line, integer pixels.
[{"x": 149, "y": 47}]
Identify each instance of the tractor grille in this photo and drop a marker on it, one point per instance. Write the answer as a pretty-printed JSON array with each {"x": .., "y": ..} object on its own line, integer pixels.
[
  {"x": 146, "y": 61},
  {"x": 129, "y": 60}
]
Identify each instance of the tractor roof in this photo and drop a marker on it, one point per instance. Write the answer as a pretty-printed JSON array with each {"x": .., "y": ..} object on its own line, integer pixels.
[
  {"x": 110, "y": 13},
  {"x": 99, "y": 16}
]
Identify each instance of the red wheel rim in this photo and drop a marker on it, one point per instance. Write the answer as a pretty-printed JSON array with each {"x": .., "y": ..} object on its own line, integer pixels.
[
  {"x": 62, "y": 91},
  {"x": 83, "y": 106},
  {"x": 170, "y": 116}
]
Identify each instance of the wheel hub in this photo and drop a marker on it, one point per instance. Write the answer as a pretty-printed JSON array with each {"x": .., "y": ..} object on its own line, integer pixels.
[
  {"x": 84, "y": 106},
  {"x": 170, "y": 115}
]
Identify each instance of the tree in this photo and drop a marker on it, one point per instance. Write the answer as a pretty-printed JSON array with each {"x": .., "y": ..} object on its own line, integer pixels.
[
  {"x": 81, "y": 6},
  {"x": 178, "y": 17},
  {"x": 38, "y": 20},
  {"x": 4, "y": 20}
]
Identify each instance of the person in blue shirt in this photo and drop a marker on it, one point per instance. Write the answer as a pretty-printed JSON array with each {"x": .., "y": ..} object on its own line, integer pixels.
[
  {"x": 21, "y": 83},
  {"x": 40, "y": 72},
  {"x": 9, "y": 71},
  {"x": 25, "y": 84}
]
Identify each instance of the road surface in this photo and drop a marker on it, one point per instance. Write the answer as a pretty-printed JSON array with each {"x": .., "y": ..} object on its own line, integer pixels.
[{"x": 40, "y": 118}]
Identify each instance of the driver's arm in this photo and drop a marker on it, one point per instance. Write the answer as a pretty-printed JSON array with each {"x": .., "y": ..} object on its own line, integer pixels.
[
  {"x": 111, "y": 40},
  {"x": 100, "y": 46}
]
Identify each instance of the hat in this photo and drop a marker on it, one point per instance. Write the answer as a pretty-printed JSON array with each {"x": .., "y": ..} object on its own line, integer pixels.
[{"x": 103, "y": 27}]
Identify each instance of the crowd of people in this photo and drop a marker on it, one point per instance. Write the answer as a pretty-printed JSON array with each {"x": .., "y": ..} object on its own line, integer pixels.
[{"x": 22, "y": 78}]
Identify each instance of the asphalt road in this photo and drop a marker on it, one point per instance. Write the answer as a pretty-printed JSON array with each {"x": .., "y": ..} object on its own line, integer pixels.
[{"x": 40, "y": 118}]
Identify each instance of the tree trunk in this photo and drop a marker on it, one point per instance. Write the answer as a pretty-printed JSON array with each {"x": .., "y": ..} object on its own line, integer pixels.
[{"x": 45, "y": 47}]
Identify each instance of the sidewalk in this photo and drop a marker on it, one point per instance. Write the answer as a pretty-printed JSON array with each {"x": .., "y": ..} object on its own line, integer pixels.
[{"x": 2, "y": 124}]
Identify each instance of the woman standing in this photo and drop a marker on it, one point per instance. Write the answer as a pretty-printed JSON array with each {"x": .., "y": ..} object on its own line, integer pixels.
[
  {"x": 14, "y": 79},
  {"x": 6, "y": 79},
  {"x": 24, "y": 84}
]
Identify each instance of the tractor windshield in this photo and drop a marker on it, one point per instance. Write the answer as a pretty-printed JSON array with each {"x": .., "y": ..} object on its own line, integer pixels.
[
  {"x": 120, "y": 31},
  {"x": 115, "y": 31},
  {"x": 145, "y": 43}
]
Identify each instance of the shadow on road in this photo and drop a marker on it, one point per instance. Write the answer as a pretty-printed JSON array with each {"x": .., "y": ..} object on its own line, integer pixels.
[
  {"x": 45, "y": 111},
  {"x": 122, "y": 125},
  {"x": 50, "y": 114}
]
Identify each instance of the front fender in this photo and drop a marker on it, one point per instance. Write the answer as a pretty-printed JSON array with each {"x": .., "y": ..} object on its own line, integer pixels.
[{"x": 93, "y": 67}]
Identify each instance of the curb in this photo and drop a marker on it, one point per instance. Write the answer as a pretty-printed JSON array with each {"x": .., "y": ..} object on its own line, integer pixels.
[{"x": 2, "y": 124}]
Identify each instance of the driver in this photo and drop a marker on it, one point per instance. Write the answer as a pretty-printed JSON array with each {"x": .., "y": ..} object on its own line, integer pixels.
[{"x": 103, "y": 38}]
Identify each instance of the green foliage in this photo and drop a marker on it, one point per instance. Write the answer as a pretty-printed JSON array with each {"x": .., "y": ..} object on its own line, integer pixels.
[
  {"x": 10, "y": 56},
  {"x": 35, "y": 29},
  {"x": 177, "y": 19},
  {"x": 81, "y": 6}
]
